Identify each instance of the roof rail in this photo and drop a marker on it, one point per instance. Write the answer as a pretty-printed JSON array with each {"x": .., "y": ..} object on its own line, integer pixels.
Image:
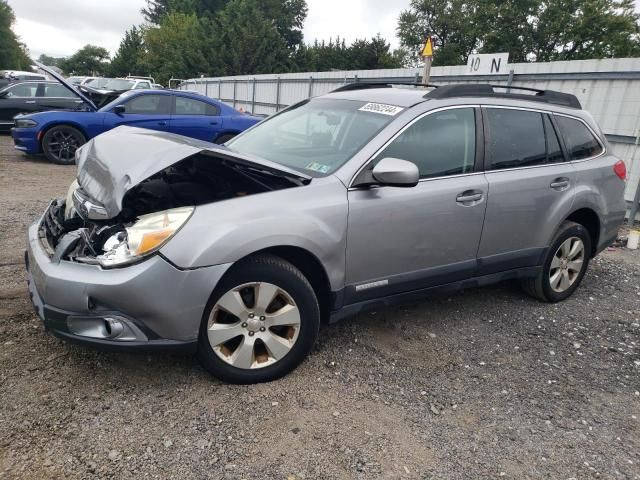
[
  {"x": 365, "y": 85},
  {"x": 486, "y": 90}
]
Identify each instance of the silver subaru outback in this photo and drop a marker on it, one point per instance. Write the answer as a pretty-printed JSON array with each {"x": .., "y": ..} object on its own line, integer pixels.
[{"x": 357, "y": 199}]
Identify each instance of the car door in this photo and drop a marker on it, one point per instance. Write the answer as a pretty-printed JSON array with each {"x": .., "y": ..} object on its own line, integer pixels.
[
  {"x": 531, "y": 188},
  {"x": 18, "y": 98},
  {"x": 405, "y": 239},
  {"x": 195, "y": 118},
  {"x": 150, "y": 111},
  {"x": 53, "y": 96}
]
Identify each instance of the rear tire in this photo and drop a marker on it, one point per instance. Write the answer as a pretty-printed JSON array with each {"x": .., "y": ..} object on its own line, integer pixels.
[
  {"x": 224, "y": 138},
  {"x": 273, "y": 326},
  {"x": 564, "y": 267},
  {"x": 60, "y": 143}
]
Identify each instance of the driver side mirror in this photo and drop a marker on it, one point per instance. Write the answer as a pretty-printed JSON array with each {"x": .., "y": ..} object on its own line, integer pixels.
[
  {"x": 119, "y": 109},
  {"x": 394, "y": 172}
]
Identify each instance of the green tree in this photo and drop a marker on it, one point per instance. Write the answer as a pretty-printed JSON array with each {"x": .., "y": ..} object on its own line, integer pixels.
[
  {"x": 372, "y": 54},
  {"x": 248, "y": 41},
  {"x": 156, "y": 10},
  {"x": 89, "y": 60},
  {"x": 177, "y": 48},
  {"x": 540, "y": 30},
  {"x": 13, "y": 54},
  {"x": 50, "y": 61},
  {"x": 128, "y": 60}
]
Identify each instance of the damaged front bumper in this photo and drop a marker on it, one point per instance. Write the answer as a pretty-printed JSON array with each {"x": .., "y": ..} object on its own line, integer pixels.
[{"x": 151, "y": 304}]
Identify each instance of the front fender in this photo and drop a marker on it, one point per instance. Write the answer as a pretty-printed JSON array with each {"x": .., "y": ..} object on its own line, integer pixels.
[{"x": 311, "y": 217}]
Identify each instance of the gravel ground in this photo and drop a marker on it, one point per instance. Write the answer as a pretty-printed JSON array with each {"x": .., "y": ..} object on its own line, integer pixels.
[{"x": 483, "y": 384}]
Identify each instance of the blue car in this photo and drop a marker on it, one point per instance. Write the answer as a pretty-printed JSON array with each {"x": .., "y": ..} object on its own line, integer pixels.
[{"x": 58, "y": 134}]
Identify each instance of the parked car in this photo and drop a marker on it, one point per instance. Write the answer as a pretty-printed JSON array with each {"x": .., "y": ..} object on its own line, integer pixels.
[
  {"x": 98, "y": 82},
  {"x": 58, "y": 134},
  {"x": 356, "y": 199},
  {"x": 35, "y": 96},
  {"x": 7, "y": 77},
  {"x": 112, "y": 89},
  {"x": 77, "y": 81}
]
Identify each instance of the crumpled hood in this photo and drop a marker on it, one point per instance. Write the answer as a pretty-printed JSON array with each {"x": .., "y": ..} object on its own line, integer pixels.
[{"x": 113, "y": 163}]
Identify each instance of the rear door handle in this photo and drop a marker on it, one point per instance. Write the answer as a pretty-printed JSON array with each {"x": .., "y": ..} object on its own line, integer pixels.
[
  {"x": 469, "y": 197},
  {"x": 162, "y": 123},
  {"x": 30, "y": 101},
  {"x": 560, "y": 184}
]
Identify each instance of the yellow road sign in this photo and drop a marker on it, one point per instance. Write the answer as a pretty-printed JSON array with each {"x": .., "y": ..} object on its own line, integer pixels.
[{"x": 427, "y": 51}]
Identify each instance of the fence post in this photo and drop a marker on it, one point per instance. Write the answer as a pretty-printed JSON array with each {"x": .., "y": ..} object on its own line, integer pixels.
[
  {"x": 206, "y": 88},
  {"x": 235, "y": 84},
  {"x": 277, "y": 94},
  {"x": 510, "y": 80},
  {"x": 355, "y": 79},
  {"x": 253, "y": 97},
  {"x": 417, "y": 78},
  {"x": 310, "y": 87}
]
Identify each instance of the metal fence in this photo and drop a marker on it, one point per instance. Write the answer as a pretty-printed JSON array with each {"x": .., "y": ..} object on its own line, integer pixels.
[{"x": 609, "y": 89}]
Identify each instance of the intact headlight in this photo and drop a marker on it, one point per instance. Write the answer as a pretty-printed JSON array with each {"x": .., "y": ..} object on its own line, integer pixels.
[
  {"x": 25, "y": 123},
  {"x": 144, "y": 237}
]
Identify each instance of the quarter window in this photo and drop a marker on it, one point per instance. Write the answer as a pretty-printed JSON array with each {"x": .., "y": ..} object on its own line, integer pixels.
[
  {"x": 516, "y": 138},
  {"x": 442, "y": 143},
  {"x": 149, "y": 105},
  {"x": 578, "y": 139},
  {"x": 190, "y": 106}
]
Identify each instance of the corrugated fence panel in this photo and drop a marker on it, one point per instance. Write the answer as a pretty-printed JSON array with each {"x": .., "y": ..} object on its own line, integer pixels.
[{"x": 609, "y": 89}]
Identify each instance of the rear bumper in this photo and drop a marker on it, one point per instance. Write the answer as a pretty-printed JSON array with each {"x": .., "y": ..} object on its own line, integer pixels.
[
  {"x": 149, "y": 305},
  {"x": 26, "y": 140}
]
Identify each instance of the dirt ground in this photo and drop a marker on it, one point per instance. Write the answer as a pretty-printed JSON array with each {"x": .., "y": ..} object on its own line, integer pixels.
[{"x": 483, "y": 384}]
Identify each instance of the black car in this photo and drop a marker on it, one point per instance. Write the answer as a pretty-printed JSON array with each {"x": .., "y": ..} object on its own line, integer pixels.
[{"x": 35, "y": 96}]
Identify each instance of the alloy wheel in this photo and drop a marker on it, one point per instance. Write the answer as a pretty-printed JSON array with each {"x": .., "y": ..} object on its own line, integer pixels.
[
  {"x": 566, "y": 264},
  {"x": 253, "y": 325},
  {"x": 63, "y": 145}
]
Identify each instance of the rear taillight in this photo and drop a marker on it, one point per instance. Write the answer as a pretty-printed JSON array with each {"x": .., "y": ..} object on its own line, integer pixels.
[{"x": 621, "y": 170}]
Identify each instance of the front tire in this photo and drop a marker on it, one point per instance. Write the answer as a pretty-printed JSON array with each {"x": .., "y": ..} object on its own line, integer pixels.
[
  {"x": 261, "y": 322},
  {"x": 60, "y": 143},
  {"x": 565, "y": 265}
]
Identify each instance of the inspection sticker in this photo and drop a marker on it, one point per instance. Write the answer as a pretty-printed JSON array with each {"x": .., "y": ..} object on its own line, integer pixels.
[
  {"x": 318, "y": 167},
  {"x": 381, "y": 108}
]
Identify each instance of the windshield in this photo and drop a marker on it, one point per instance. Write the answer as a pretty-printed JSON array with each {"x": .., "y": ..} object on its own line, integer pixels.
[
  {"x": 75, "y": 80},
  {"x": 119, "y": 84},
  {"x": 316, "y": 137}
]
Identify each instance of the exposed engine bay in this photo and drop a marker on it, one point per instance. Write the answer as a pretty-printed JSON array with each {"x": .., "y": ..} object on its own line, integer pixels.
[{"x": 152, "y": 211}]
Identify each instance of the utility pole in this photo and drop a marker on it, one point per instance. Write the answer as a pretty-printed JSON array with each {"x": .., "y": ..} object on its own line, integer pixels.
[{"x": 427, "y": 55}]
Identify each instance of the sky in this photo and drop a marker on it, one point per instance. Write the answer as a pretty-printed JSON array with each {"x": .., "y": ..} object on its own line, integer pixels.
[{"x": 60, "y": 27}]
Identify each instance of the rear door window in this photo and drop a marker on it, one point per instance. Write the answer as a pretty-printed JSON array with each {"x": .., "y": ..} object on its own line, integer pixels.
[
  {"x": 149, "y": 105},
  {"x": 554, "y": 152},
  {"x": 516, "y": 138},
  {"x": 190, "y": 106},
  {"x": 579, "y": 140}
]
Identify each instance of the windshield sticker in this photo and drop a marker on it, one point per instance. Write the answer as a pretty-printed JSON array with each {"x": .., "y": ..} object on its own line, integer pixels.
[
  {"x": 318, "y": 167},
  {"x": 381, "y": 108}
]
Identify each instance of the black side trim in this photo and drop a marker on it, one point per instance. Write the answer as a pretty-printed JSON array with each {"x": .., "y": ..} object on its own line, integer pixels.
[
  {"x": 416, "y": 280},
  {"x": 529, "y": 257},
  {"x": 419, "y": 295}
]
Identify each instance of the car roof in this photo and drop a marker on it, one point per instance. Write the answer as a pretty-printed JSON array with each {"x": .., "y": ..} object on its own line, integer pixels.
[
  {"x": 406, "y": 96},
  {"x": 402, "y": 97}
]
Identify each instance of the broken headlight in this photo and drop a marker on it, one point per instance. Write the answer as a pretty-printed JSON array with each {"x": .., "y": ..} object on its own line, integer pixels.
[{"x": 144, "y": 237}]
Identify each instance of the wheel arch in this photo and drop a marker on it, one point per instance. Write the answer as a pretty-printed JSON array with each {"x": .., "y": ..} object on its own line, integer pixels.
[
  {"x": 309, "y": 265},
  {"x": 59, "y": 123},
  {"x": 590, "y": 220}
]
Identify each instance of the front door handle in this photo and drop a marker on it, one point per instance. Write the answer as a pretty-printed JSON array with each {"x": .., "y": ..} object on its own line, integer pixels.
[
  {"x": 561, "y": 183},
  {"x": 469, "y": 197},
  {"x": 30, "y": 101},
  {"x": 163, "y": 124}
]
